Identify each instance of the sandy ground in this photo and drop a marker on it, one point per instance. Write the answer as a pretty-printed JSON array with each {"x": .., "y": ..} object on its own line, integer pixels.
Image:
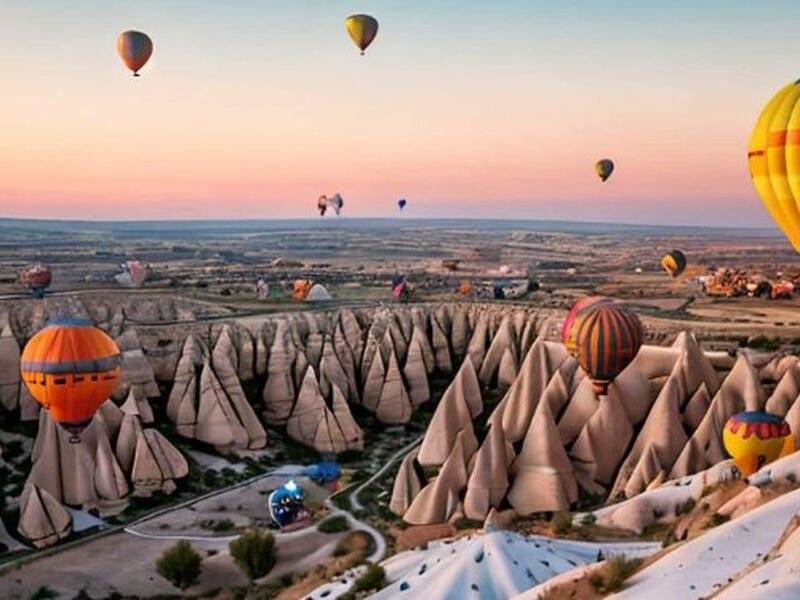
[{"x": 125, "y": 563}]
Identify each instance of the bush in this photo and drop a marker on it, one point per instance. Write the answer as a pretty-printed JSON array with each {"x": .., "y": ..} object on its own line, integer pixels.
[
  {"x": 221, "y": 526},
  {"x": 335, "y": 524},
  {"x": 374, "y": 578},
  {"x": 43, "y": 593},
  {"x": 612, "y": 575},
  {"x": 562, "y": 523},
  {"x": 254, "y": 552},
  {"x": 180, "y": 565}
]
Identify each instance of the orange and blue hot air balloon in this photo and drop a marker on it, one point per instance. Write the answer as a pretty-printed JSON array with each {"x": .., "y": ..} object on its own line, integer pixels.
[
  {"x": 568, "y": 329},
  {"x": 754, "y": 439},
  {"x": 135, "y": 49},
  {"x": 607, "y": 339},
  {"x": 71, "y": 367}
]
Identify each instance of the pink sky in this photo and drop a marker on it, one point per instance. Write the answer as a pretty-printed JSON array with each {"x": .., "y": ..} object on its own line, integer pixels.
[{"x": 237, "y": 118}]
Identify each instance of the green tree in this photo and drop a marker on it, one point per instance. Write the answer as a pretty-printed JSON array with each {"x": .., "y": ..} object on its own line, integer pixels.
[
  {"x": 254, "y": 552},
  {"x": 180, "y": 565}
]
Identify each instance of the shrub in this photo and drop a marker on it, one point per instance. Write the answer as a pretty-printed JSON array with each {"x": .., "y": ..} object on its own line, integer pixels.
[
  {"x": 180, "y": 565},
  {"x": 374, "y": 578},
  {"x": 589, "y": 519},
  {"x": 254, "y": 552},
  {"x": 335, "y": 524},
  {"x": 43, "y": 593},
  {"x": 222, "y": 526},
  {"x": 562, "y": 523},
  {"x": 612, "y": 575}
]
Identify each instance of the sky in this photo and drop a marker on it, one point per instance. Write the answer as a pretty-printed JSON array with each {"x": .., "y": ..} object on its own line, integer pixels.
[{"x": 252, "y": 109}]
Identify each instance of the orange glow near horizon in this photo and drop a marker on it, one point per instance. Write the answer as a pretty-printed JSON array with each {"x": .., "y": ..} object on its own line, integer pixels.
[{"x": 263, "y": 121}]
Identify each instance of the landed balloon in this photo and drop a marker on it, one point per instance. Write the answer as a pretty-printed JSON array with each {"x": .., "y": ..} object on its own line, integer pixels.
[
  {"x": 134, "y": 274},
  {"x": 262, "y": 289},
  {"x": 135, "y": 49},
  {"x": 325, "y": 473},
  {"x": 674, "y": 263},
  {"x": 568, "y": 329},
  {"x": 286, "y": 506},
  {"x": 774, "y": 159},
  {"x": 362, "y": 30},
  {"x": 604, "y": 168},
  {"x": 754, "y": 439},
  {"x": 607, "y": 338},
  {"x": 36, "y": 278},
  {"x": 402, "y": 203},
  {"x": 301, "y": 288},
  {"x": 71, "y": 367},
  {"x": 401, "y": 288}
]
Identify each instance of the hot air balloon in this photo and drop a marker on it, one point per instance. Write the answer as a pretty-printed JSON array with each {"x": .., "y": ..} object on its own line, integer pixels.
[
  {"x": 135, "y": 49},
  {"x": 134, "y": 274},
  {"x": 286, "y": 505},
  {"x": 755, "y": 438},
  {"x": 402, "y": 203},
  {"x": 607, "y": 338},
  {"x": 604, "y": 167},
  {"x": 674, "y": 263},
  {"x": 36, "y": 278},
  {"x": 322, "y": 205},
  {"x": 362, "y": 30},
  {"x": 71, "y": 367},
  {"x": 774, "y": 158},
  {"x": 568, "y": 329},
  {"x": 337, "y": 202}
]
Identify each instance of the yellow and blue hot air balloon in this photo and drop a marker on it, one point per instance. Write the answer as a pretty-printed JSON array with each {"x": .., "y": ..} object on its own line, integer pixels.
[
  {"x": 754, "y": 439},
  {"x": 774, "y": 158},
  {"x": 362, "y": 30},
  {"x": 674, "y": 263},
  {"x": 604, "y": 167}
]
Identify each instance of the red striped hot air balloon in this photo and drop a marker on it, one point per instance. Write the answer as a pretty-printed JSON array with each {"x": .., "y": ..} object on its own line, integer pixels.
[
  {"x": 607, "y": 338},
  {"x": 581, "y": 307}
]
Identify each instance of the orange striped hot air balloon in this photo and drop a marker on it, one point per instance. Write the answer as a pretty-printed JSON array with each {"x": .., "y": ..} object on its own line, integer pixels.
[
  {"x": 607, "y": 338},
  {"x": 568, "y": 329},
  {"x": 71, "y": 367}
]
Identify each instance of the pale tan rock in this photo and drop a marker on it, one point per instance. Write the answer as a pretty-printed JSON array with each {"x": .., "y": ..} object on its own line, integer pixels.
[
  {"x": 543, "y": 477},
  {"x": 217, "y": 422},
  {"x": 373, "y": 386},
  {"x": 440, "y": 498},
  {"x": 601, "y": 445},
  {"x": 394, "y": 405},
  {"x": 740, "y": 391},
  {"x": 786, "y": 392},
  {"x": 441, "y": 348},
  {"x": 488, "y": 481},
  {"x": 407, "y": 484},
  {"x": 503, "y": 342},
  {"x": 246, "y": 416},
  {"x": 43, "y": 521},
  {"x": 9, "y": 370},
  {"x": 156, "y": 465},
  {"x": 416, "y": 374},
  {"x": 279, "y": 392},
  {"x": 183, "y": 397}
]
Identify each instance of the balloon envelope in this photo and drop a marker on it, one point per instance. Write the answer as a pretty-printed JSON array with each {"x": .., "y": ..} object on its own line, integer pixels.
[
  {"x": 135, "y": 49},
  {"x": 754, "y": 439},
  {"x": 674, "y": 263},
  {"x": 604, "y": 168},
  {"x": 36, "y": 278},
  {"x": 568, "y": 329},
  {"x": 607, "y": 338},
  {"x": 71, "y": 367},
  {"x": 402, "y": 203},
  {"x": 774, "y": 159},
  {"x": 362, "y": 30}
]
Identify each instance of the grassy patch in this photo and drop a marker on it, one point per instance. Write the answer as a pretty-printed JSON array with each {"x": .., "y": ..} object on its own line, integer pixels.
[
  {"x": 335, "y": 524},
  {"x": 612, "y": 575}
]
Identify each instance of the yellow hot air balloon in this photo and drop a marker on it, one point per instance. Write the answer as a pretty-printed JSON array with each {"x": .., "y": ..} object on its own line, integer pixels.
[
  {"x": 754, "y": 439},
  {"x": 774, "y": 157},
  {"x": 362, "y": 30}
]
